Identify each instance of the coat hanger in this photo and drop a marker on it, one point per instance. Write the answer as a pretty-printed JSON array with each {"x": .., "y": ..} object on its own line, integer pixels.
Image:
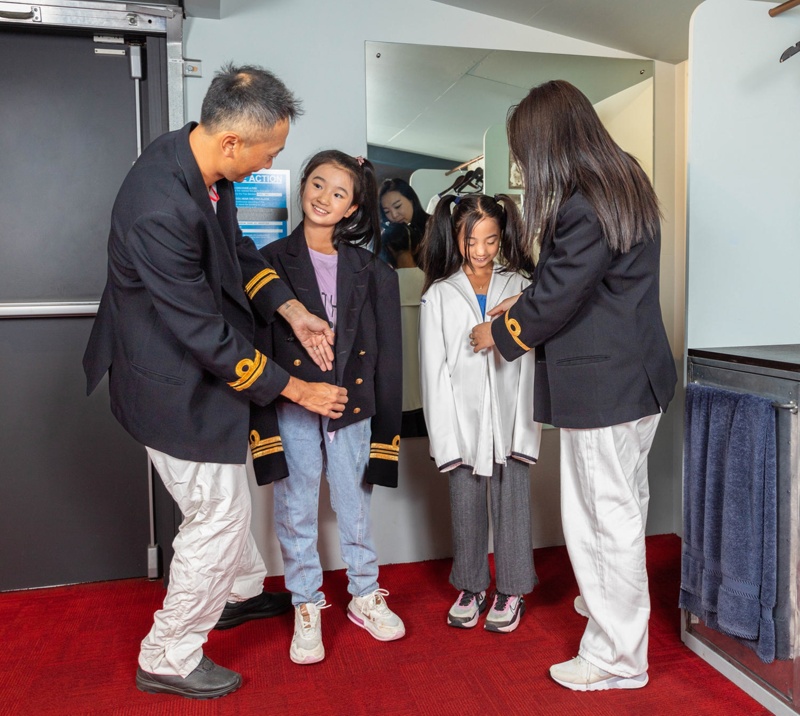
[
  {"x": 473, "y": 178},
  {"x": 774, "y": 12},
  {"x": 790, "y": 52}
]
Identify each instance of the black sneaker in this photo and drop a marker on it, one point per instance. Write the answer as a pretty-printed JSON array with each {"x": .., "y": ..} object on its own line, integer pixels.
[
  {"x": 266, "y": 604},
  {"x": 207, "y": 681}
]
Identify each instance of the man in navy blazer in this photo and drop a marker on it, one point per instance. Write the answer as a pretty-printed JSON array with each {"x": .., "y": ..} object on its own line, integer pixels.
[{"x": 174, "y": 331}]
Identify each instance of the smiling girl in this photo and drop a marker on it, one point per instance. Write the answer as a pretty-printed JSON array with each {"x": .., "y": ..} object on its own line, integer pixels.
[
  {"x": 478, "y": 411},
  {"x": 327, "y": 263}
]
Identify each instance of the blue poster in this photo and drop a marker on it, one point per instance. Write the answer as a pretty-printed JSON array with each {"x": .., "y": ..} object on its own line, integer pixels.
[{"x": 262, "y": 202}]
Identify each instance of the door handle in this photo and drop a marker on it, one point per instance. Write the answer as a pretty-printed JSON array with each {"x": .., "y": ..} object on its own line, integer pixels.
[{"x": 33, "y": 14}]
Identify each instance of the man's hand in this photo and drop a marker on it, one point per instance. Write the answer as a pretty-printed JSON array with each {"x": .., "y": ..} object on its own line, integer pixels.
[
  {"x": 480, "y": 337},
  {"x": 322, "y": 398},
  {"x": 313, "y": 333}
]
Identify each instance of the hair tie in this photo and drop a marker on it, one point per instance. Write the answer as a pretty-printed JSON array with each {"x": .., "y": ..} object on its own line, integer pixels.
[
  {"x": 496, "y": 199},
  {"x": 457, "y": 199},
  {"x": 360, "y": 160}
]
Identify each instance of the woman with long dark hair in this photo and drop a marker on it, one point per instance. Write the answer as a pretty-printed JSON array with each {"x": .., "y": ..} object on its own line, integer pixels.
[
  {"x": 604, "y": 368},
  {"x": 399, "y": 204}
]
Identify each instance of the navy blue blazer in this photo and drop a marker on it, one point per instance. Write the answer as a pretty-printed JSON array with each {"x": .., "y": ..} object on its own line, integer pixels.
[
  {"x": 175, "y": 326},
  {"x": 594, "y": 318},
  {"x": 368, "y": 351}
]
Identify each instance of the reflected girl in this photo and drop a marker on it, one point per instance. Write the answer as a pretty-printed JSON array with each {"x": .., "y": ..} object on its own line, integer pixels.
[{"x": 399, "y": 204}]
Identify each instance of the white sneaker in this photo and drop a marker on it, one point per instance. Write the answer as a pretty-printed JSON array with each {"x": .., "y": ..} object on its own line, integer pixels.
[
  {"x": 506, "y": 612},
  {"x": 580, "y": 606},
  {"x": 371, "y": 612},
  {"x": 467, "y": 608},
  {"x": 580, "y": 675},
  {"x": 307, "y": 645}
]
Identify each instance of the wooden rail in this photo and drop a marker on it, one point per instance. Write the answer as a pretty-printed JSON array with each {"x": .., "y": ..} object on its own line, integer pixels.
[{"x": 783, "y": 7}]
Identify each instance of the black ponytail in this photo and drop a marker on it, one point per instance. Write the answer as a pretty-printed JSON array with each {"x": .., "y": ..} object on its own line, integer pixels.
[{"x": 440, "y": 256}]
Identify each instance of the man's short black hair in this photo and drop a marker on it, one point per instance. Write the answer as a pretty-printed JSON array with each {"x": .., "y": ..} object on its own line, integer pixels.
[{"x": 249, "y": 100}]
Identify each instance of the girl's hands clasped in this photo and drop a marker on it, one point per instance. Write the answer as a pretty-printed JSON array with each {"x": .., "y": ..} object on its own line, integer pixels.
[{"x": 480, "y": 338}]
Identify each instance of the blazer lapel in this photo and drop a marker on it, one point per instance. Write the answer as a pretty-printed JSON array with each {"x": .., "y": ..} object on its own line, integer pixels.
[
  {"x": 299, "y": 273},
  {"x": 222, "y": 242},
  {"x": 461, "y": 282},
  {"x": 227, "y": 225},
  {"x": 352, "y": 285},
  {"x": 496, "y": 287}
]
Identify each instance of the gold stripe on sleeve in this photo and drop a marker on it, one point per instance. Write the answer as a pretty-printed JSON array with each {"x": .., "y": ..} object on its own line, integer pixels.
[
  {"x": 513, "y": 327},
  {"x": 249, "y": 371},
  {"x": 261, "y": 279},
  {"x": 384, "y": 451},
  {"x": 267, "y": 446}
]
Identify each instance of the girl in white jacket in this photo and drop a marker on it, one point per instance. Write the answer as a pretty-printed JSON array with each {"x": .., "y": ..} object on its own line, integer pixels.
[{"x": 478, "y": 406}]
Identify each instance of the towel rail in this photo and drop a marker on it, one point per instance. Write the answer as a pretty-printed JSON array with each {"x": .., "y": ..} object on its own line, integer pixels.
[{"x": 790, "y": 406}]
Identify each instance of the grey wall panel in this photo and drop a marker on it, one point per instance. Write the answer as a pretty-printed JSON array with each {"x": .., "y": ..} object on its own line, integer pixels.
[{"x": 73, "y": 484}]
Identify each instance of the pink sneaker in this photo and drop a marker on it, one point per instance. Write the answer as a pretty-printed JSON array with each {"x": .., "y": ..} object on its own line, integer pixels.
[{"x": 505, "y": 613}]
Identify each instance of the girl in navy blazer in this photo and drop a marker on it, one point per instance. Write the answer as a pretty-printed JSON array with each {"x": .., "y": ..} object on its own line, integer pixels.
[
  {"x": 329, "y": 265},
  {"x": 604, "y": 368}
]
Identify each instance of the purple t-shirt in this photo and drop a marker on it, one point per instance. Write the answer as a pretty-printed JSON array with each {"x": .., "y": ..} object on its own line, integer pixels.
[{"x": 325, "y": 269}]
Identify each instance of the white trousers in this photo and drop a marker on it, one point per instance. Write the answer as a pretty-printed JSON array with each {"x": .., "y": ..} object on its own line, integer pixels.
[
  {"x": 604, "y": 498},
  {"x": 216, "y": 559}
]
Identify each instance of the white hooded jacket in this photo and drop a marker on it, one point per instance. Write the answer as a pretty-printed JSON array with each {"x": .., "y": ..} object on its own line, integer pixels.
[{"x": 478, "y": 407}]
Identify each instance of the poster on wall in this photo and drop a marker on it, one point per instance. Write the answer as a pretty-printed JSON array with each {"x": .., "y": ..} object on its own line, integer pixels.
[{"x": 262, "y": 203}]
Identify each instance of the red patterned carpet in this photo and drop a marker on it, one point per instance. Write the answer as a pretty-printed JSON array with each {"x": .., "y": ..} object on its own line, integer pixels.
[{"x": 72, "y": 650}]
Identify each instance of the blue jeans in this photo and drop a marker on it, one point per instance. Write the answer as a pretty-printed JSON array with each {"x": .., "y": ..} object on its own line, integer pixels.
[{"x": 309, "y": 452}]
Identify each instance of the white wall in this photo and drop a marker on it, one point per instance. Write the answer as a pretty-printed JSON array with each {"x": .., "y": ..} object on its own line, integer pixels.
[
  {"x": 627, "y": 116},
  {"x": 317, "y": 48},
  {"x": 744, "y": 176}
]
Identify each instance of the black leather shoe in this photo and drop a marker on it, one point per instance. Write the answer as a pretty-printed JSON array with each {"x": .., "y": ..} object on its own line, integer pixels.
[
  {"x": 207, "y": 681},
  {"x": 266, "y": 604}
]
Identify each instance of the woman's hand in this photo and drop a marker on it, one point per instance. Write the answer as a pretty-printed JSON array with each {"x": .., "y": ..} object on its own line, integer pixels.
[
  {"x": 313, "y": 333},
  {"x": 503, "y": 306},
  {"x": 481, "y": 337}
]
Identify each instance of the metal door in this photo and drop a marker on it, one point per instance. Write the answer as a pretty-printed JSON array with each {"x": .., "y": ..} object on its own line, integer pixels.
[{"x": 83, "y": 87}]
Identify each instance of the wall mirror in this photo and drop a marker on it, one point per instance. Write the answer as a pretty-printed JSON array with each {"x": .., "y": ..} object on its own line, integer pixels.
[
  {"x": 430, "y": 106},
  {"x": 433, "y": 108}
]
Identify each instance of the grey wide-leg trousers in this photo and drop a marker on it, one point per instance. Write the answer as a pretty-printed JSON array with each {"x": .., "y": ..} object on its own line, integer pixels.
[{"x": 509, "y": 491}]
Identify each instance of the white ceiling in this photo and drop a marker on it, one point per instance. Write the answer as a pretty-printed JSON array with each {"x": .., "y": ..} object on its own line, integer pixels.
[{"x": 651, "y": 28}]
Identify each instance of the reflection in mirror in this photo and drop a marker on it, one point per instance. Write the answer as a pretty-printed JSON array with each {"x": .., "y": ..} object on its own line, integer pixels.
[
  {"x": 433, "y": 109},
  {"x": 430, "y": 106}
]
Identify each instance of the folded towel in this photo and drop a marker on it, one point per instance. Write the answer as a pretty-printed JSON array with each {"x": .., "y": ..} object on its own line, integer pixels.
[{"x": 729, "y": 566}]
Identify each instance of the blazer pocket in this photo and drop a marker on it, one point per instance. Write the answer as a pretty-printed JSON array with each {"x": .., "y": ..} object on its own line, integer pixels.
[
  {"x": 159, "y": 377},
  {"x": 582, "y": 360}
]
